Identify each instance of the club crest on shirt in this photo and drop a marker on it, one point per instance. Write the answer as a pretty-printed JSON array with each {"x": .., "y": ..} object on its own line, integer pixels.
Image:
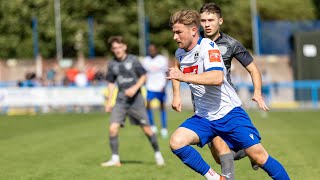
[
  {"x": 223, "y": 50},
  {"x": 190, "y": 70},
  {"x": 196, "y": 55},
  {"x": 214, "y": 55},
  {"x": 128, "y": 66}
]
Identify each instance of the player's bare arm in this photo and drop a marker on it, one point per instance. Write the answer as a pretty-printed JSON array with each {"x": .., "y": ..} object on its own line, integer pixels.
[
  {"x": 130, "y": 92},
  {"x": 111, "y": 87},
  {"x": 257, "y": 83},
  {"x": 176, "y": 101},
  {"x": 214, "y": 77}
]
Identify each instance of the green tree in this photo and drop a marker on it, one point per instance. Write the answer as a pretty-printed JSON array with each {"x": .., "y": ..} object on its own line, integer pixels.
[{"x": 112, "y": 17}]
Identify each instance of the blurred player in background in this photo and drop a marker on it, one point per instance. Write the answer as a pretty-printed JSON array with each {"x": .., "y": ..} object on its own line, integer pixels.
[
  {"x": 211, "y": 20},
  {"x": 126, "y": 71},
  {"x": 156, "y": 66},
  {"x": 218, "y": 109}
]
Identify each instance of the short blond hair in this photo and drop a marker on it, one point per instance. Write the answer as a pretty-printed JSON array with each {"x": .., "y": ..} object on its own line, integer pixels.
[{"x": 186, "y": 17}]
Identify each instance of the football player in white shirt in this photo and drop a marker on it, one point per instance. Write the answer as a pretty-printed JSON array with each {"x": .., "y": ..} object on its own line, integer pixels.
[
  {"x": 156, "y": 66},
  {"x": 218, "y": 109}
]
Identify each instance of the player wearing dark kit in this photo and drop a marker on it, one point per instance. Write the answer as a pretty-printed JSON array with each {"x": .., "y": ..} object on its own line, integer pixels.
[{"x": 126, "y": 71}]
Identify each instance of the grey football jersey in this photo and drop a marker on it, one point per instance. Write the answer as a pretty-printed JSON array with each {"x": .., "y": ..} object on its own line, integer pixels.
[
  {"x": 231, "y": 48},
  {"x": 125, "y": 74}
]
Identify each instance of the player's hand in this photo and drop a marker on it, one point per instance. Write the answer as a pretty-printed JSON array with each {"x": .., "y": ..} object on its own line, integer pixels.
[
  {"x": 175, "y": 73},
  {"x": 108, "y": 108},
  {"x": 259, "y": 99},
  {"x": 130, "y": 92},
  {"x": 176, "y": 104}
]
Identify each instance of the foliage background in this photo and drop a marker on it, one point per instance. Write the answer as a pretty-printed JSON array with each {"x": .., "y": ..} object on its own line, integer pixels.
[{"x": 113, "y": 17}]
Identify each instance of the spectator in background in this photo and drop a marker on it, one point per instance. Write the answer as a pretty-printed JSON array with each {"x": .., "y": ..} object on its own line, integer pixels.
[
  {"x": 90, "y": 72},
  {"x": 156, "y": 66},
  {"x": 99, "y": 78},
  {"x": 71, "y": 75},
  {"x": 81, "y": 79},
  {"x": 30, "y": 80},
  {"x": 51, "y": 75}
]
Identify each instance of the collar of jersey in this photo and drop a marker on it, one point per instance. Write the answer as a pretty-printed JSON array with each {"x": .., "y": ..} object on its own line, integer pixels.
[{"x": 199, "y": 41}]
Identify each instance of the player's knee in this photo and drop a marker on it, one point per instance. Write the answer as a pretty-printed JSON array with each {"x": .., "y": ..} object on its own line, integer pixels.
[
  {"x": 220, "y": 146},
  {"x": 147, "y": 131},
  {"x": 261, "y": 159},
  {"x": 258, "y": 154},
  {"x": 113, "y": 130},
  {"x": 162, "y": 106},
  {"x": 177, "y": 142}
]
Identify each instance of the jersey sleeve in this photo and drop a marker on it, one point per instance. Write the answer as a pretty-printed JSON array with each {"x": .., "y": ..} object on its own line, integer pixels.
[
  {"x": 110, "y": 77},
  {"x": 144, "y": 63},
  {"x": 165, "y": 63},
  {"x": 242, "y": 54},
  {"x": 212, "y": 58},
  {"x": 138, "y": 68}
]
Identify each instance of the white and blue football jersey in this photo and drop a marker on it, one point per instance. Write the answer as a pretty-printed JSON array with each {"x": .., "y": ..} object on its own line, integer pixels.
[{"x": 211, "y": 102}]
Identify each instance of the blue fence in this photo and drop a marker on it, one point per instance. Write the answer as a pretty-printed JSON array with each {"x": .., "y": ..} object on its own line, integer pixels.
[{"x": 306, "y": 94}]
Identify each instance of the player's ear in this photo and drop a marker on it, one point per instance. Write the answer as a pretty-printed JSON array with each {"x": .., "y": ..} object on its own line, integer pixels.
[
  {"x": 194, "y": 30},
  {"x": 220, "y": 21},
  {"x": 125, "y": 47}
]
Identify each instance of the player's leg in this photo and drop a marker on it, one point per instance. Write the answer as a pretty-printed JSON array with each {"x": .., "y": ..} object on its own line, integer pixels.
[
  {"x": 189, "y": 133},
  {"x": 114, "y": 145},
  {"x": 150, "y": 96},
  {"x": 164, "y": 129},
  {"x": 138, "y": 116},
  {"x": 154, "y": 143},
  {"x": 260, "y": 156},
  {"x": 241, "y": 154},
  {"x": 116, "y": 120},
  {"x": 223, "y": 156},
  {"x": 245, "y": 136}
]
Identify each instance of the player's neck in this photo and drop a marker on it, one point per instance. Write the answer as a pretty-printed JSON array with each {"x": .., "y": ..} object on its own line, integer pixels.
[
  {"x": 214, "y": 36},
  {"x": 122, "y": 58}
]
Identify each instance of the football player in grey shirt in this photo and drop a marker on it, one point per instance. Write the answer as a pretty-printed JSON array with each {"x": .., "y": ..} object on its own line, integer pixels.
[
  {"x": 125, "y": 71},
  {"x": 211, "y": 20}
]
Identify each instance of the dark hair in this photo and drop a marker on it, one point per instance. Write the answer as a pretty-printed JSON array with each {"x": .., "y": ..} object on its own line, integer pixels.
[
  {"x": 186, "y": 17},
  {"x": 211, "y": 8},
  {"x": 117, "y": 39}
]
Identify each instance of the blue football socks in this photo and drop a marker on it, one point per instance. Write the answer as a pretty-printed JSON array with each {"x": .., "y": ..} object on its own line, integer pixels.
[
  {"x": 190, "y": 157},
  {"x": 275, "y": 170}
]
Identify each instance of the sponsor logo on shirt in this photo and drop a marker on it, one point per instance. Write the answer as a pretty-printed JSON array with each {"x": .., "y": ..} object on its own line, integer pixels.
[
  {"x": 190, "y": 70},
  {"x": 214, "y": 55},
  {"x": 123, "y": 80}
]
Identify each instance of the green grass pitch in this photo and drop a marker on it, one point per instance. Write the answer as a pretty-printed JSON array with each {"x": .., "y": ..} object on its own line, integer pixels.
[{"x": 72, "y": 146}]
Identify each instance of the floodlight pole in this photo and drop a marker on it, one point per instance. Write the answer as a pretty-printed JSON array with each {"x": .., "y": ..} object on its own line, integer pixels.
[
  {"x": 142, "y": 28},
  {"x": 255, "y": 27},
  {"x": 58, "y": 30}
]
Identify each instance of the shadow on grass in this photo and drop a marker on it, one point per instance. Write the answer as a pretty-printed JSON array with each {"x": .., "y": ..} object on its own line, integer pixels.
[{"x": 132, "y": 162}]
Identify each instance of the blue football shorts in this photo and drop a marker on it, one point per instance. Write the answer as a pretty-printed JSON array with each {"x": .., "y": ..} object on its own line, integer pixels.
[
  {"x": 235, "y": 128},
  {"x": 161, "y": 96}
]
